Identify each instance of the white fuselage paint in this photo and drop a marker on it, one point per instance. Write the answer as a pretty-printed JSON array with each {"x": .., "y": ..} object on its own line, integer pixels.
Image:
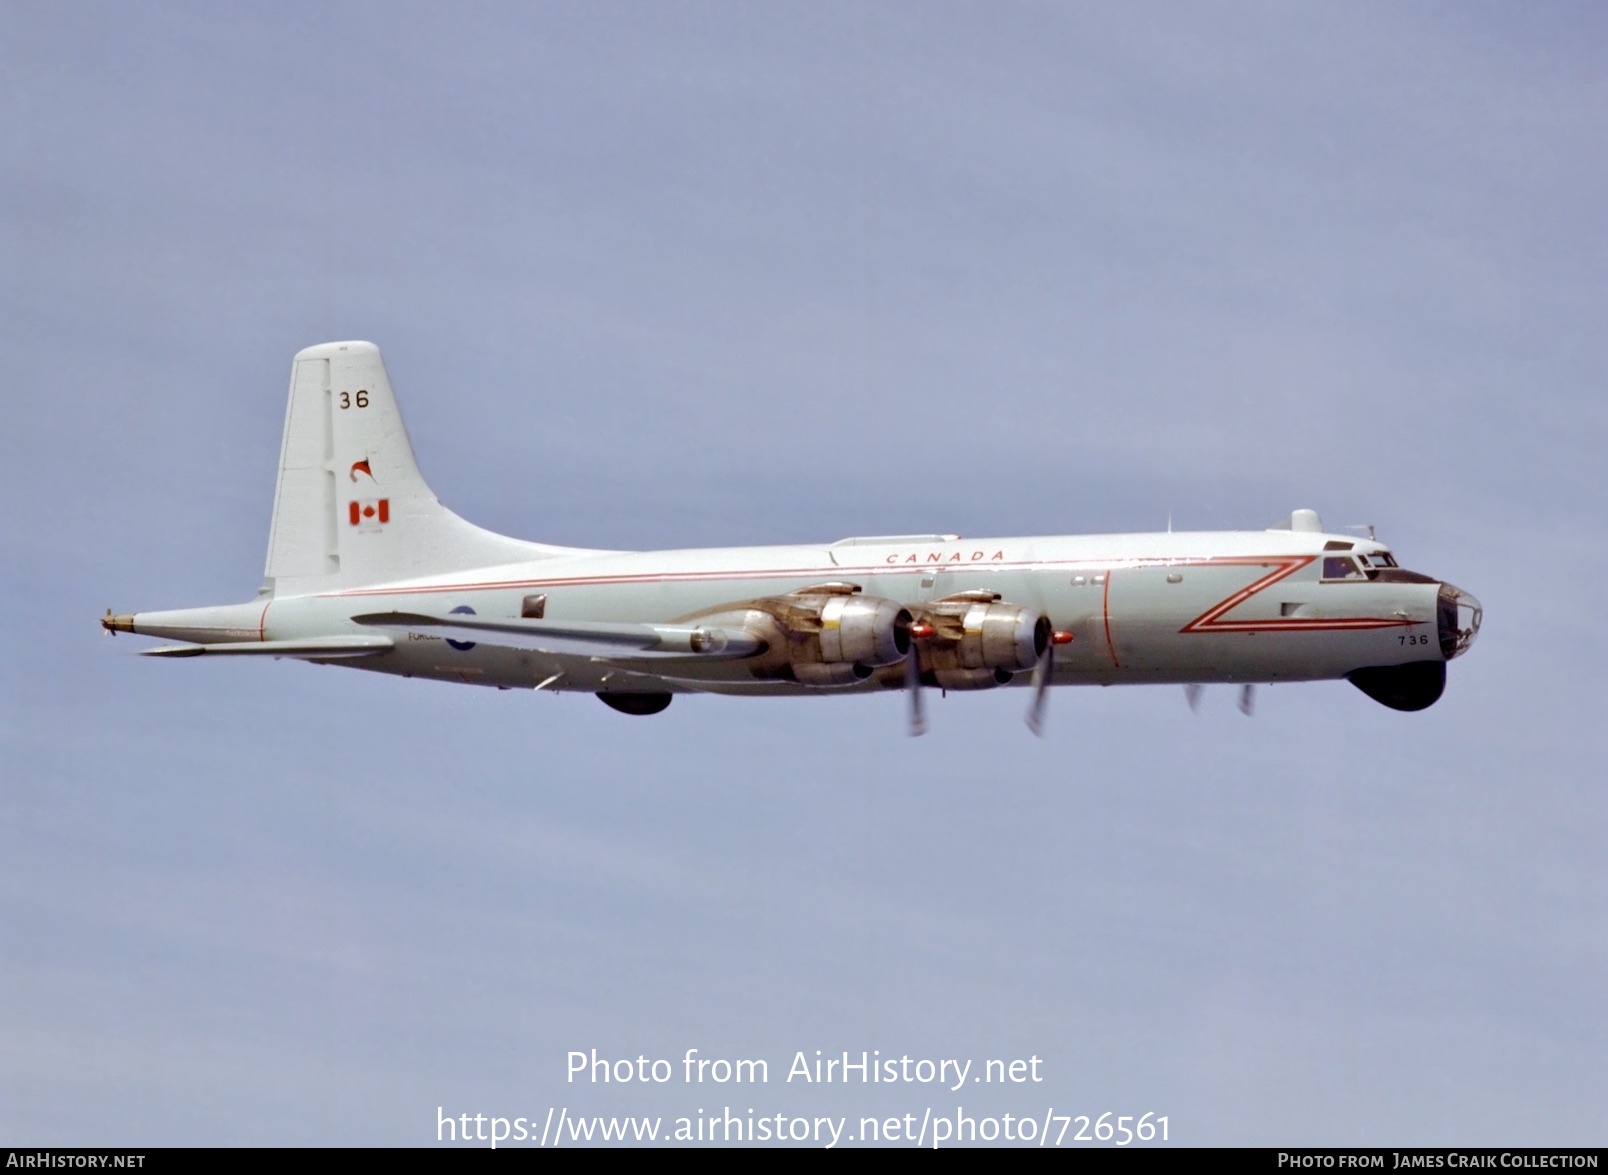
[
  {"x": 1240, "y": 606},
  {"x": 366, "y": 567}
]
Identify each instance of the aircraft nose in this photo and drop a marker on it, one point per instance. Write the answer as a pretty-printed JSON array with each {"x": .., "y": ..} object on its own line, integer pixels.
[{"x": 1458, "y": 617}]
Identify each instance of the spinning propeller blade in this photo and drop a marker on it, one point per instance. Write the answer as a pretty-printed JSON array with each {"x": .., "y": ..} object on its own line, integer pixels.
[
  {"x": 918, "y": 717},
  {"x": 918, "y": 720},
  {"x": 1043, "y": 671}
]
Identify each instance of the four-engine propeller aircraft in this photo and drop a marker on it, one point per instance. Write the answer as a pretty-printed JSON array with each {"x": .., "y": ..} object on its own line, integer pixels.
[{"x": 366, "y": 568}]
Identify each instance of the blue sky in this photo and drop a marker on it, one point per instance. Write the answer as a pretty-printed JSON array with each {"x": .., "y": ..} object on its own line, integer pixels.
[{"x": 663, "y": 276}]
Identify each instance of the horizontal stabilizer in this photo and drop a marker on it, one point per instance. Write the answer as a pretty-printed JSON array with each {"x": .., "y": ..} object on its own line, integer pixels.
[
  {"x": 314, "y": 649},
  {"x": 603, "y": 639}
]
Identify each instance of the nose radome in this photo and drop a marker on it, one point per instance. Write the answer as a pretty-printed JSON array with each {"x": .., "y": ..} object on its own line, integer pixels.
[{"x": 1458, "y": 616}]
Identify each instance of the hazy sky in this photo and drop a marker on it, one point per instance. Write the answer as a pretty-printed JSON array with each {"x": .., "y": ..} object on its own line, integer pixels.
[{"x": 652, "y": 275}]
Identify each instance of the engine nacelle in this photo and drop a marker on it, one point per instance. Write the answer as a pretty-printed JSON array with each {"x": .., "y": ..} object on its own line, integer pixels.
[
  {"x": 836, "y": 637},
  {"x": 959, "y": 679},
  {"x": 824, "y": 636},
  {"x": 825, "y": 674},
  {"x": 978, "y": 642},
  {"x": 863, "y": 631}
]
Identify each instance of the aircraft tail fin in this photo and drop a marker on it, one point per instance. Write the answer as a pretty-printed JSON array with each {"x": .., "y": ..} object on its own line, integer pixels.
[{"x": 351, "y": 507}]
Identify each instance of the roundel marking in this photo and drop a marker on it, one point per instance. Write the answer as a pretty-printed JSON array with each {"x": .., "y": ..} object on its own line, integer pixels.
[{"x": 461, "y": 646}]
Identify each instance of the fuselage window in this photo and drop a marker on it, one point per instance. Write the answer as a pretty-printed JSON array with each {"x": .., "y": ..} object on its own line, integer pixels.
[{"x": 1341, "y": 567}]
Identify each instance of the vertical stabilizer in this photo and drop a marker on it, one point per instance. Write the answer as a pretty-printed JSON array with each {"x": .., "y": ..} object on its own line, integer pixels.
[{"x": 351, "y": 508}]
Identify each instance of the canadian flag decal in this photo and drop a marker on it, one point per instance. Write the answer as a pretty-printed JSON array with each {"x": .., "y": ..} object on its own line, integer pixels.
[{"x": 369, "y": 514}]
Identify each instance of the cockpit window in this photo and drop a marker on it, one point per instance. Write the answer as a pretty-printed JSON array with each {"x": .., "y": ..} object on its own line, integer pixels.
[
  {"x": 1341, "y": 567},
  {"x": 1373, "y": 562}
]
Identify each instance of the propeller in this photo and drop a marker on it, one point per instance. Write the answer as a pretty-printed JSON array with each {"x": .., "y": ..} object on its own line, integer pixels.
[
  {"x": 1247, "y": 698},
  {"x": 918, "y": 717},
  {"x": 1043, "y": 671}
]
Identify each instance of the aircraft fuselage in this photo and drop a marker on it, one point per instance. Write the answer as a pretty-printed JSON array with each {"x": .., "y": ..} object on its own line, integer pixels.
[
  {"x": 366, "y": 567},
  {"x": 1237, "y": 606}
]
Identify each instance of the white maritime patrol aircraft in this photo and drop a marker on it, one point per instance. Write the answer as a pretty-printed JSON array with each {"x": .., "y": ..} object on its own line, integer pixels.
[{"x": 366, "y": 568}]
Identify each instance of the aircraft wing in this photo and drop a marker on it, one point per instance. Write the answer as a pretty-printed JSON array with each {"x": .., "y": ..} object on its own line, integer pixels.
[
  {"x": 585, "y": 638},
  {"x": 321, "y": 648}
]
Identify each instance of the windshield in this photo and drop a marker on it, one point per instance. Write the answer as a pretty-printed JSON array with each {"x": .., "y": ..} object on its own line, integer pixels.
[{"x": 1459, "y": 617}]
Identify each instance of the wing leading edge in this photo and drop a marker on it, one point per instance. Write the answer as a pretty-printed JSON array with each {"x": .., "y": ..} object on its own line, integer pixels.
[
  {"x": 579, "y": 637},
  {"x": 312, "y": 649}
]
